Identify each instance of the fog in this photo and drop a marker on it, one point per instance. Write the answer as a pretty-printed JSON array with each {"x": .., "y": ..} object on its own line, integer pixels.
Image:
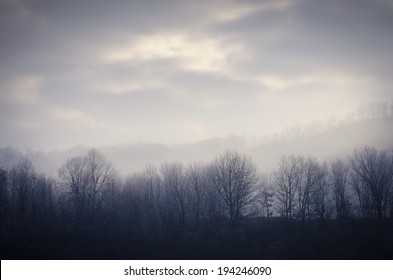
[
  {"x": 213, "y": 129},
  {"x": 369, "y": 125},
  {"x": 322, "y": 191}
]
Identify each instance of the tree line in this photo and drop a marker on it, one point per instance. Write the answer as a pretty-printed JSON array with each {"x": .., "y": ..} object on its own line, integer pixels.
[{"x": 90, "y": 197}]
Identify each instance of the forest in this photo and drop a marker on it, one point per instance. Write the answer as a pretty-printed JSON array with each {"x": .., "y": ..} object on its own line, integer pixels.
[{"x": 222, "y": 209}]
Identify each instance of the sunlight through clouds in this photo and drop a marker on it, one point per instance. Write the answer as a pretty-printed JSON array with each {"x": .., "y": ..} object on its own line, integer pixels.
[{"x": 193, "y": 53}]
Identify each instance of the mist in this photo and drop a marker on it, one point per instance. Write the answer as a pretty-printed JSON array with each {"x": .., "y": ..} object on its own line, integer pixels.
[
  {"x": 371, "y": 124},
  {"x": 196, "y": 129}
]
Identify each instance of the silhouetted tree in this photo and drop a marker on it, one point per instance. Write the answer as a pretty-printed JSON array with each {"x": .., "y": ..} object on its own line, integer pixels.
[
  {"x": 74, "y": 178},
  {"x": 22, "y": 181},
  {"x": 287, "y": 179},
  {"x": 373, "y": 179},
  {"x": 176, "y": 211},
  {"x": 101, "y": 174},
  {"x": 235, "y": 178},
  {"x": 110, "y": 208},
  {"x": 173, "y": 182},
  {"x": 152, "y": 196},
  {"x": 308, "y": 176},
  {"x": 42, "y": 211},
  {"x": 339, "y": 180},
  {"x": 132, "y": 202},
  {"x": 321, "y": 194},
  {"x": 143, "y": 196},
  {"x": 197, "y": 192},
  {"x": 85, "y": 178},
  {"x": 266, "y": 197},
  {"x": 4, "y": 198}
]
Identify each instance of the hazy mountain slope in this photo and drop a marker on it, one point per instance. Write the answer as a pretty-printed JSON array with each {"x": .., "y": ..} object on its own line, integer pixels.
[{"x": 338, "y": 141}]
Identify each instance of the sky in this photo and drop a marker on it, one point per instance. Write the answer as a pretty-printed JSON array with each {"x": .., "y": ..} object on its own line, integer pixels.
[{"x": 108, "y": 72}]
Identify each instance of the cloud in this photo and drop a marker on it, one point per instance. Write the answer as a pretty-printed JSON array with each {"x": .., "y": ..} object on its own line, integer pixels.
[
  {"x": 120, "y": 86},
  {"x": 24, "y": 90},
  {"x": 326, "y": 79},
  {"x": 77, "y": 116},
  {"x": 176, "y": 70},
  {"x": 193, "y": 52},
  {"x": 226, "y": 11}
]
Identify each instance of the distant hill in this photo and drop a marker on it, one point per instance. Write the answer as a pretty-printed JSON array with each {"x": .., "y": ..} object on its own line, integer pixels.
[{"x": 336, "y": 141}]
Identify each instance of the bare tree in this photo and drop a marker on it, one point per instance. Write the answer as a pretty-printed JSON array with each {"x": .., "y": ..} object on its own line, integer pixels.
[
  {"x": 339, "y": 180},
  {"x": 22, "y": 177},
  {"x": 374, "y": 178},
  {"x": 308, "y": 176},
  {"x": 287, "y": 179},
  {"x": 302, "y": 188},
  {"x": 235, "y": 178},
  {"x": 85, "y": 179},
  {"x": 132, "y": 203},
  {"x": 42, "y": 200},
  {"x": 145, "y": 198},
  {"x": 74, "y": 178},
  {"x": 197, "y": 191},
  {"x": 321, "y": 194},
  {"x": 111, "y": 203},
  {"x": 266, "y": 197},
  {"x": 173, "y": 181},
  {"x": 100, "y": 174},
  {"x": 4, "y": 197},
  {"x": 313, "y": 192},
  {"x": 152, "y": 195},
  {"x": 363, "y": 196},
  {"x": 204, "y": 204}
]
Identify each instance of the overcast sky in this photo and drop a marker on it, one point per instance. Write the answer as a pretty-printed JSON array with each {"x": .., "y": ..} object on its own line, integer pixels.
[{"x": 107, "y": 72}]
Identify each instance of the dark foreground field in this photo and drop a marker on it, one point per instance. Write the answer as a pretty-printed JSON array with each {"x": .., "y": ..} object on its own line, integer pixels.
[{"x": 254, "y": 238}]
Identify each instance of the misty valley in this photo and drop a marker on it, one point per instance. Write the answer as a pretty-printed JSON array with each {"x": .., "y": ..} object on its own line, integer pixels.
[{"x": 223, "y": 209}]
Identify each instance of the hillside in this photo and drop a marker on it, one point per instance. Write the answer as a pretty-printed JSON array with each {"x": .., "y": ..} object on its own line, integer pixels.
[{"x": 336, "y": 141}]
